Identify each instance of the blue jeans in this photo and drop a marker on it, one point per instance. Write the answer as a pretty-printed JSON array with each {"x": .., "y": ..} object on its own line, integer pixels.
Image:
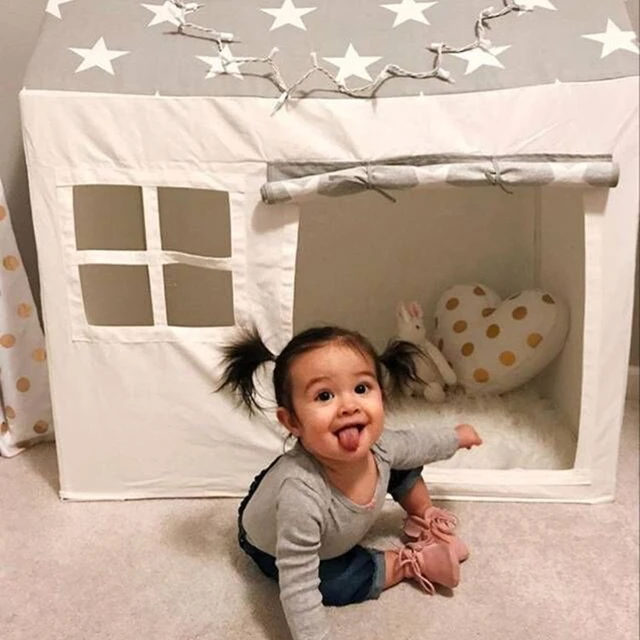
[{"x": 355, "y": 576}]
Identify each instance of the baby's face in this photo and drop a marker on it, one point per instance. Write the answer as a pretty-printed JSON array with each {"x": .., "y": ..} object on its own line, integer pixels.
[{"x": 339, "y": 412}]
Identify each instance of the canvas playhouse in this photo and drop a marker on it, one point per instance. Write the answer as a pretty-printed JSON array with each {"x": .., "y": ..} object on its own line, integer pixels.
[{"x": 199, "y": 168}]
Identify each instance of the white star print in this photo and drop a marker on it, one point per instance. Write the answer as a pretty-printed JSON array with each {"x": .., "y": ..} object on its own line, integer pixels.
[
  {"x": 613, "y": 39},
  {"x": 309, "y": 184},
  {"x": 409, "y": 10},
  {"x": 223, "y": 64},
  {"x": 53, "y": 7},
  {"x": 568, "y": 173},
  {"x": 478, "y": 57},
  {"x": 532, "y": 4},
  {"x": 98, "y": 56},
  {"x": 165, "y": 12},
  {"x": 288, "y": 14},
  {"x": 352, "y": 64},
  {"x": 435, "y": 174}
]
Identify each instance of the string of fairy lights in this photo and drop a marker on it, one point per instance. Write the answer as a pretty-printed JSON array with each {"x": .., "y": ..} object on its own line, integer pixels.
[{"x": 368, "y": 90}]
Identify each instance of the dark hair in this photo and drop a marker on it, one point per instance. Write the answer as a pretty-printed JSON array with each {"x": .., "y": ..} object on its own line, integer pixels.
[{"x": 243, "y": 357}]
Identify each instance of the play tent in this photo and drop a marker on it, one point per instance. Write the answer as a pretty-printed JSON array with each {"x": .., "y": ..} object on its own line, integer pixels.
[{"x": 195, "y": 169}]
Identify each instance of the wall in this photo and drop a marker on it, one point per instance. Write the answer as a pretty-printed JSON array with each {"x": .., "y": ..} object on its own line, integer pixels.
[
  {"x": 635, "y": 337},
  {"x": 21, "y": 24}
]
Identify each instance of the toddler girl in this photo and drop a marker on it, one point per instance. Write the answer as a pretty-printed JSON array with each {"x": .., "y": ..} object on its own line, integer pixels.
[{"x": 304, "y": 515}]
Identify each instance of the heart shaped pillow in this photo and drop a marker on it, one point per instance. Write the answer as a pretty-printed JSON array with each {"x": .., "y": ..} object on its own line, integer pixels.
[{"x": 493, "y": 345}]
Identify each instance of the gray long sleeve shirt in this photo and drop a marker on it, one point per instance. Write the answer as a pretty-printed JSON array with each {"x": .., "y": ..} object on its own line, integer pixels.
[{"x": 298, "y": 517}]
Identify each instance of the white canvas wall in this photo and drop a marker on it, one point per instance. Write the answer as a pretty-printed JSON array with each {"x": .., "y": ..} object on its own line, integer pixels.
[
  {"x": 560, "y": 267},
  {"x": 136, "y": 417}
]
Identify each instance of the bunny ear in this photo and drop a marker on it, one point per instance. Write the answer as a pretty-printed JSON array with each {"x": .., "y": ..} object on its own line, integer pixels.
[
  {"x": 401, "y": 312},
  {"x": 415, "y": 310}
]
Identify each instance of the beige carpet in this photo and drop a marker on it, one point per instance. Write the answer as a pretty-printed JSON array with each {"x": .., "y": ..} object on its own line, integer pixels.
[{"x": 170, "y": 569}]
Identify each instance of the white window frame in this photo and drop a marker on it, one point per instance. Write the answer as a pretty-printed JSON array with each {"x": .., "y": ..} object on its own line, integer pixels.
[{"x": 154, "y": 257}]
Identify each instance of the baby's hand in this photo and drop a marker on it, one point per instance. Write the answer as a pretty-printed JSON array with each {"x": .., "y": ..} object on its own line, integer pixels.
[{"x": 467, "y": 436}]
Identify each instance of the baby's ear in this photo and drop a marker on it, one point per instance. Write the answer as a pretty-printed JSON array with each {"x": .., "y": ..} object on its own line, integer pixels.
[{"x": 287, "y": 421}]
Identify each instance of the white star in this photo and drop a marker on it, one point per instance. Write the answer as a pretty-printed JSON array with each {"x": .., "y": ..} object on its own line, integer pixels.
[
  {"x": 409, "y": 10},
  {"x": 288, "y": 14},
  {"x": 613, "y": 39},
  {"x": 223, "y": 64},
  {"x": 478, "y": 57},
  {"x": 98, "y": 56},
  {"x": 166, "y": 12},
  {"x": 532, "y": 4},
  {"x": 352, "y": 64},
  {"x": 53, "y": 7}
]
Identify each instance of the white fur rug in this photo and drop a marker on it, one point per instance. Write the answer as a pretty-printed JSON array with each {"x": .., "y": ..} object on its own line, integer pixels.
[{"x": 520, "y": 429}]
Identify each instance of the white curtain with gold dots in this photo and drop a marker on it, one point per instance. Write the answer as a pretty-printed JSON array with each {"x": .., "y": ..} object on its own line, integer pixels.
[{"x": 25, "y": 404}]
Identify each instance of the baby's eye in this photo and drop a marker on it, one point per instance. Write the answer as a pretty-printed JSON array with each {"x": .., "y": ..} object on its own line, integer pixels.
[
  {"x": 361, "y": 388},
  {"x": 324, "y": 396}
]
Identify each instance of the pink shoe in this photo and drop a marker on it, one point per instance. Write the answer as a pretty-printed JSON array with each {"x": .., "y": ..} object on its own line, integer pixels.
[
  {"x": 429, "y": 563},
  {"x": 436, "y": 524}
]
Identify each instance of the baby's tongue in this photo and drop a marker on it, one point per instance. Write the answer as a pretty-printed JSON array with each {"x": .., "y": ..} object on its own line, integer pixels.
[{"x": 349, "y": 438}]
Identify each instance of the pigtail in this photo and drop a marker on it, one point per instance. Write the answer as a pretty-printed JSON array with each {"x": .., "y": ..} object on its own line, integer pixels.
[
  {"x": 399, "y": 359},
  {"x": 241, "y": 360}
]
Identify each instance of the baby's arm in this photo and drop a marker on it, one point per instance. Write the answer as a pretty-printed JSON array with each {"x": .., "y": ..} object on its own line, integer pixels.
[
  {"x": 300, "y": 522},
  {"x": 415, "y": 447}
]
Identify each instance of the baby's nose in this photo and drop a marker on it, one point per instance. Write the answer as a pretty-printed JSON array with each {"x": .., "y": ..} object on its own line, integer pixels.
[{"x": 349, "y": 406}]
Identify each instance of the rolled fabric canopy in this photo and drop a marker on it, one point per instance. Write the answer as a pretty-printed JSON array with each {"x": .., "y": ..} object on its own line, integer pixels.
[{"x": 296, "y": 182}]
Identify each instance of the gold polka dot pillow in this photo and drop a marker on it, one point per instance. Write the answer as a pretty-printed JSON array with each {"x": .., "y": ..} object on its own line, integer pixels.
[{"x": 494, "y": 345}]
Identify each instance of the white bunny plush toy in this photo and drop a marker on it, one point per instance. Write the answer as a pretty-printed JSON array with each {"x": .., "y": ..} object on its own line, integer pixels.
[{"x": 433, "y": 369}]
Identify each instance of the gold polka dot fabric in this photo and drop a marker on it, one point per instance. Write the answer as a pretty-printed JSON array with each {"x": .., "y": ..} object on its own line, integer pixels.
[
  {"x": 25, "y": 406},
  {"x": 496, "y": 345}
]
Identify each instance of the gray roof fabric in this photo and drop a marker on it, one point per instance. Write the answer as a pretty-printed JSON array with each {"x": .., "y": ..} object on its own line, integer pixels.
[{"x": 560, "y": 40}]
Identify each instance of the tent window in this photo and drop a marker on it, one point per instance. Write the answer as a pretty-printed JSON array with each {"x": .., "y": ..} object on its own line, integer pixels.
[
  {"x": 109, "y": 217},
  {"x": 195, "y": 221},
  {"x": 198, "y": 297},
  {"x": 116, "y": 295},
  {"x": 154, "y": 256}
]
